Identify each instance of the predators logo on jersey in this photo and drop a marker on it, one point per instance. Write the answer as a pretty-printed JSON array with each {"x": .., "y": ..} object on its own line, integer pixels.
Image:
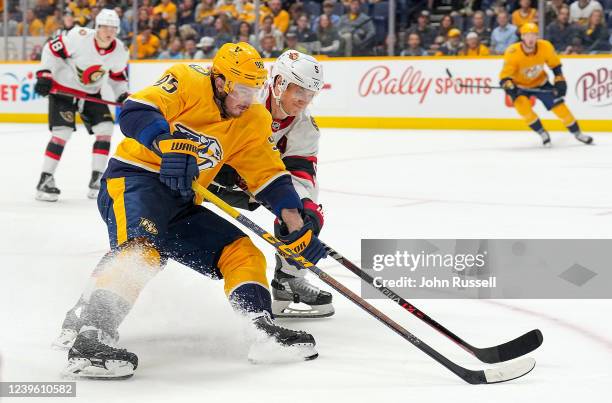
[{"x": 210, "y": 152}]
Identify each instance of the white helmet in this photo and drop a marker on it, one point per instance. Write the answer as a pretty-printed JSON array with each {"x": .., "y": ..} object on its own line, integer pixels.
[
  {"x": 109, "y": 18},
  {"x": 300, "y": 69}
]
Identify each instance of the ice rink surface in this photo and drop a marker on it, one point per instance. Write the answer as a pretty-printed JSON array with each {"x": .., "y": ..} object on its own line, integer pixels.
[{"x": 374, "y": 184}]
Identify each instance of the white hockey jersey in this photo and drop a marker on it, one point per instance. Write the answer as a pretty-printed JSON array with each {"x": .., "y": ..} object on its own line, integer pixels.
[
  {"x": 76, "y": 62},
  {"x": 297, "y": 138}
]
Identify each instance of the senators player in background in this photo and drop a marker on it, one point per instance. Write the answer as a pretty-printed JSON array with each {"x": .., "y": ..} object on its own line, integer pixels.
[
  {"x": 77, "y": 63},
  {"x": 524, "y": 71}
]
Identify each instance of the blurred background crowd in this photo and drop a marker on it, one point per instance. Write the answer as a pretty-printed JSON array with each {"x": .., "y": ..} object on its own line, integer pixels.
[{"x": 194, "y": 29}]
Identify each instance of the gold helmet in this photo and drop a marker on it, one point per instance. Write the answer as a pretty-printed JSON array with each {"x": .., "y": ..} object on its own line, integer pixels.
[
  {"x": 529, "y": 28},
  {"x": 239, "y": 63}
]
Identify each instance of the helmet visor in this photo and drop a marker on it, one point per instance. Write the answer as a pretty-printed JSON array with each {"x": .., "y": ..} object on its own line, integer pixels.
[
  {"x": 243, "y": 93},
  {"x": 303, "y": 94}
]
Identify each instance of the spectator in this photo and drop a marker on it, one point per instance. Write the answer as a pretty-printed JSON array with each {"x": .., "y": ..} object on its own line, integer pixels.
[
  {"x": 524, "y": 14},
  {"x": 172, "y": 34},
  {"x": 329, "y": 39},
  {"x": 80, "y": 11},
  {"x": 191, "y": 49},
  {"x": 246, "y": 11},
  {"x": 292, "y": 42},
  {"x": 328, "y": 10},
  {"x": 244, "y": 32},
  {"x": 228, "y": 8},
  {"x": 473, "y": 47},
  {"x": 357, "y": 30},
  {"x": 560, "y": 32},
  {"x": 268, "y": 28},
  {"x": 581, "y": 10},
  {"x": 596, "y": 37},
  {"x": 167, "y": 9},
  {"x": 174, "y": 51},
  {"x": 426, "y": 33},
  {"x": 223, "y": 30},
  {"x": 186, "y": 13},
  {"x": 35, "y": 26},
  {"x": 53, "y": 22},
  {"x": 280, "y": 16},
  {"x": 144, "y": 19},
  {"x": 295, "y": 10},
  {"x": 206, "y": 48},
  {"x": 159, "y": 26},
  {"x": 576, "y": 47},
  {"x": 478, "y": 26},
  {"x": 503, "y": 35},
  {"x": 303, "y": 31},
  {"x": 435, "y": 47},
  {"x": 148, "y": 44},
  {"x": 205, "y": 12},
  {"x": 43, "y": 9},
  {"x": 125, "y": 28},
  {"x": 553, "y": 7},
  {"x": 267, "y": 47},
  {"x": 446, "y": 24},
  {"x": 413, "y": 46},
  {"x": 91, "y": 24},
  {"x": 452, "y": 44}
]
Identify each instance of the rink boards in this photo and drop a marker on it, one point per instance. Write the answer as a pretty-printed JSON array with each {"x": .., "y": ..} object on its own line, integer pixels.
[{"x": 392, "y": 92}]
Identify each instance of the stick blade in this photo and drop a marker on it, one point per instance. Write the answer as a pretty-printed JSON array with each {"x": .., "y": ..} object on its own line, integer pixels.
[
  {"x": 509, "y": 371},
  {"x": 510, "y": 350}
]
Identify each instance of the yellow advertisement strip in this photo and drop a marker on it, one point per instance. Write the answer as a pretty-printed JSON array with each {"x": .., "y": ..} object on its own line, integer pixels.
[{"x": 360, "y": 122}]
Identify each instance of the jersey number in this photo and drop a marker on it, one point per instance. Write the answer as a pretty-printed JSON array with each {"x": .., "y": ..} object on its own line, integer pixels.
[
  {"x": 57, "y": 47},
  {"x": 168, "y": 83}
]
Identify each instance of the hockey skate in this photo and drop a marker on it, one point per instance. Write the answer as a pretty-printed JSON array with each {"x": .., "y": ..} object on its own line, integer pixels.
[
  {"x": 71, "y": 327},
  {"x": 94, "y": 184},
  {"x": 46, "y": 190},
  {"x": 91, "y": 358},
  {"x": 584, "y": 138},
  {"x": 294, "y": 344},
  {"x": 545, "y": 139},
  {"x": 295, "y": 297}
]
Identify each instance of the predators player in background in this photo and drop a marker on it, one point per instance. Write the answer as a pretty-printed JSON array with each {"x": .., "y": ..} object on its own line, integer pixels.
[
  {"x": 524, "y": 70},
  {"x": 78, "y": 62},
  {"x": 185, "y": 127},
  {"x": 295, "y": 80}
]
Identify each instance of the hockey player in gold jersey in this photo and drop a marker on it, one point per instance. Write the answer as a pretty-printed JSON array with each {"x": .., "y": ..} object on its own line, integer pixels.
[
  {"x": 524, "y": 75},
  {"x": 185, "y": 127}
]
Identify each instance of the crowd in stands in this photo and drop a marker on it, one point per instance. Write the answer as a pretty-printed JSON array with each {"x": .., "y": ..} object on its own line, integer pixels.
[{"x": 188, "y": 29}]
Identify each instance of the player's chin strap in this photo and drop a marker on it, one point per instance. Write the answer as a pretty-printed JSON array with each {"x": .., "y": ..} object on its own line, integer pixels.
[
  {"x": 219, "y": 98},
  {"x": 277, "y": 98}
]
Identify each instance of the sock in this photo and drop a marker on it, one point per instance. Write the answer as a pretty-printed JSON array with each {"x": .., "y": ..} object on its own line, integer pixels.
[
  {"x": 101, "y": 149},
  {"x": 55, "y": 148}
]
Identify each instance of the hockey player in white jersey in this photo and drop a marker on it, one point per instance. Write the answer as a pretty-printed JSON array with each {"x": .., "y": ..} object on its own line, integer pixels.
[
  {"x": 295, "y": 80},
  {"x": 77, "y": 63}
]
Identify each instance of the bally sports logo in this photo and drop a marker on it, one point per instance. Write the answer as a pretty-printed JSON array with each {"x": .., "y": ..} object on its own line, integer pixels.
[
  {"x": 17, "y": 88},
  {"x": 595, "y": 87}
]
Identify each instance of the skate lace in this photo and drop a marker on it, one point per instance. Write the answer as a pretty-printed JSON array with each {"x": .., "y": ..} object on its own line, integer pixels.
[{"x": 301, "y": 286}]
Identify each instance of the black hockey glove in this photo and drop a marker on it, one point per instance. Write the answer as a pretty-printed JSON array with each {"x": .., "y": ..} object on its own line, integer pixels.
[
  {"x": 121, "y": 98},
  {"x": 511, "y": 89},
  {"x": 179, "y": 166},
  {"x": 44, "y": 82},
  {"x": 560, "y": 87}
]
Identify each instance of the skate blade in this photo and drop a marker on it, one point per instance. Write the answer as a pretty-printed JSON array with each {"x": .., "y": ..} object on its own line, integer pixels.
[
  {"x": 81, "y": 368},
  {"x": 289, "y": 309},
  {"x": 268, "y": 351},
  {"x": 93, "y": 193},
  {"x": 48, "y": 197}
]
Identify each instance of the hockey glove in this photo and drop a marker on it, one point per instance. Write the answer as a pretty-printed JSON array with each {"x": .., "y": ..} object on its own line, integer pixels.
[
  {"x": 44, "y": 82},
  {"x": 511, "y": 89},
  {"x": 179, "y": 166},
  {"x": 560, "y": 87},
  {"x": 121, "y": 98},
  {"x": 306, "y": 243}
]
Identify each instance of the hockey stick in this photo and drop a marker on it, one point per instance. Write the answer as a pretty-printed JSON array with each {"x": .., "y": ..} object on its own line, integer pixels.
[
  {"x": 495, "y": 87},
  {"x": 68, "y": 92},
  {"x": 512, "y": 349},
  {"x": 493, "y": 375}
]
